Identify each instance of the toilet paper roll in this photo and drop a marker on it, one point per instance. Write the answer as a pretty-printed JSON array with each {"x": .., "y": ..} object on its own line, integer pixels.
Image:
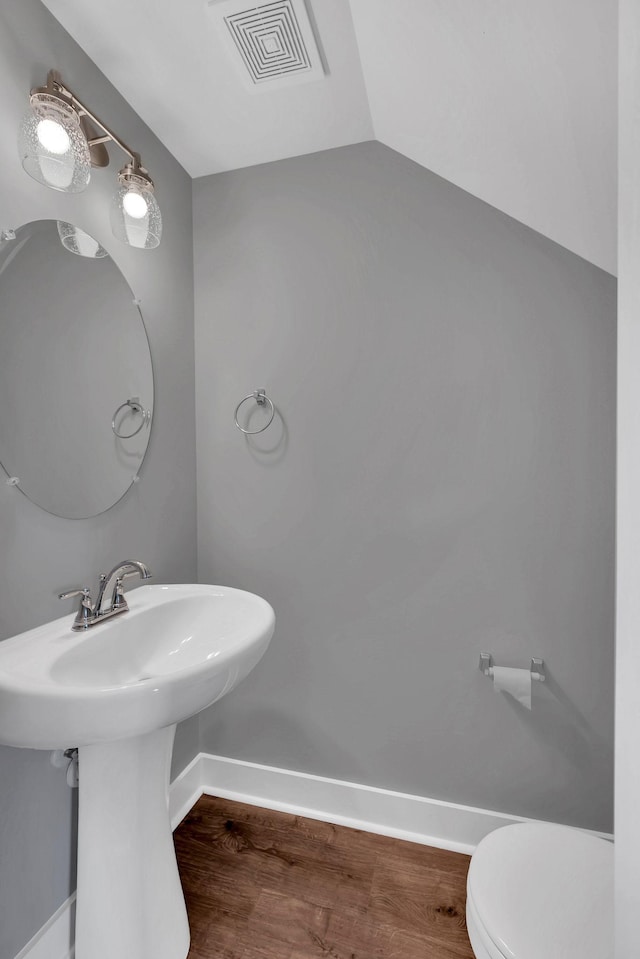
[{"x": 516, "y": 682}]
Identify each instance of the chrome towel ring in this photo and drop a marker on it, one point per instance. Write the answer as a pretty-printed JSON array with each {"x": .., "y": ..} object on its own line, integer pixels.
[
  {"x": 134, "y": 404},
  {"x": 261, "y": 399}
]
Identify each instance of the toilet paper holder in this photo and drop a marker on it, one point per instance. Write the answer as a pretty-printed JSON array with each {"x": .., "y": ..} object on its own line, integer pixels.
[{"x": 537, "y": 667}]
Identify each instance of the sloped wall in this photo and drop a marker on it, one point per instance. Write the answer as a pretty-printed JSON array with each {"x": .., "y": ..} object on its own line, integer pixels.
[{"x": 515, "y": 103}]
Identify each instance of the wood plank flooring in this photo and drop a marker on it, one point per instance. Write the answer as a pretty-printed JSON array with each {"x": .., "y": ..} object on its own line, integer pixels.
[{"x": 268, "y": 885}]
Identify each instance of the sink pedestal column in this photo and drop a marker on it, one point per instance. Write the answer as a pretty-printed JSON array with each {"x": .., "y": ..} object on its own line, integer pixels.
[{"x": 130, "y": 903}]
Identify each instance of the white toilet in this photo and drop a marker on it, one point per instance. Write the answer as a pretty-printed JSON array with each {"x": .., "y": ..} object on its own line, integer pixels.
[{"x": 541, "y": 891}]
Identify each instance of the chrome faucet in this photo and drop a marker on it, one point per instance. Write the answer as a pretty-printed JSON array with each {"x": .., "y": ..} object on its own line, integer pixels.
[
  {"x": 113, "y": 582},
  {"x": 90, "y": 614}
]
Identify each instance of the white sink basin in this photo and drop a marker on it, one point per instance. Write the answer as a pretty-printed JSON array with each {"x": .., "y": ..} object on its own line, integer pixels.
[
  {"x": 177, "y": 650},
  {"x": 116, "y": 691}
]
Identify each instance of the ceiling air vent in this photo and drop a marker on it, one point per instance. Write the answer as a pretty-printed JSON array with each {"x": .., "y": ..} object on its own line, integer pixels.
[{"x": 274, "y": 42}]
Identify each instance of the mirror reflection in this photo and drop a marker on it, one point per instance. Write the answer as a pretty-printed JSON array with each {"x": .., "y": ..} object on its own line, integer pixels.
[{"x": 76, "y": 381}]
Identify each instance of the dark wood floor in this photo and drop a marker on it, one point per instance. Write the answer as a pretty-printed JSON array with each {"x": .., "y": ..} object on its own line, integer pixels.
[{"x": 269, "y": 885}]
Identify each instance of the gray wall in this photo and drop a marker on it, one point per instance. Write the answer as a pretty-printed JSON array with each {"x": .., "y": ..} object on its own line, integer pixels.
[
  {"x": 440, "y": 481},
  {"x": 156, "y": 521}
]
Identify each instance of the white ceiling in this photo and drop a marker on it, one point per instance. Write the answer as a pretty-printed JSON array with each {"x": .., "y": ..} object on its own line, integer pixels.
[
  {"x": 170, "y": 61},
  {"x": 514, "y": 101}
]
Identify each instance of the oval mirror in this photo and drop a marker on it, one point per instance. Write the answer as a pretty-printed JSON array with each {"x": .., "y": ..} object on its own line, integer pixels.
[{"x": 76, "y": 381}]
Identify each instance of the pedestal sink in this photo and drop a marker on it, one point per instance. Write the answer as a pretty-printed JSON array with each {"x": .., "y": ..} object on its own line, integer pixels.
[{"x": 116, "y": 691}]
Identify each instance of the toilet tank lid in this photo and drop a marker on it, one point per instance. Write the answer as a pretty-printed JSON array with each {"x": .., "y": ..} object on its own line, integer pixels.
[{"x": 544, "y": 890}]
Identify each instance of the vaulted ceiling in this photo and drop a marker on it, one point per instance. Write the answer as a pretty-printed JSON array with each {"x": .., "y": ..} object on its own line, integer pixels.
[{"x": 512, "y": 100}]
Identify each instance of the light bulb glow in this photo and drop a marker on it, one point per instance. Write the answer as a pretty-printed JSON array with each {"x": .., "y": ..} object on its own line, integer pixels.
[
  {"x": 135, "y": 215},
  {"x": 51, "y": 144},
  {"x": 135, "y": 205},
  {"x": 53, "y": 136}
]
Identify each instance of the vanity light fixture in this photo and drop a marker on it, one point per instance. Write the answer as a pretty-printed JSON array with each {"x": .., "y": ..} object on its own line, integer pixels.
[{"x": 58, "y": 145}]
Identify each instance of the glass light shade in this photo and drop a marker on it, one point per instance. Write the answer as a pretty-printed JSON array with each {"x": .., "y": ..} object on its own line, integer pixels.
[
  {"x": 77, "y": 241},
  {"x": 135, "y": 215},
  {"x": 53, "y": 149}
]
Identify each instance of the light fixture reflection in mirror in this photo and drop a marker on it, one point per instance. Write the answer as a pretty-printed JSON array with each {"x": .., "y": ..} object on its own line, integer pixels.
[
  {"x": 73, "y": 349},
  {"x": 77, "y": 241}
]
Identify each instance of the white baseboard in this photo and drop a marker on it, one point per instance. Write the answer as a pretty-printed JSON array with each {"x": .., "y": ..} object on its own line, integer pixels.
[
  {"x": 431, "y": 822},
  {"x": 185, "y": 790},
  {"x": 55, "y": 939}
]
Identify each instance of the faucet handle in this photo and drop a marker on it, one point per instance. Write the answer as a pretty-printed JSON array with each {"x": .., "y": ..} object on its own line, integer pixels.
[
  {"x": 83, "y": 591},
  {"x": 85, "y": 611},
  {"x": 119, "y": 600}
]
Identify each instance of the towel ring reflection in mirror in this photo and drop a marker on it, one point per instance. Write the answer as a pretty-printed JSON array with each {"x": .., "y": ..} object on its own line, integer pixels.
[{"x": 136, "y": 407}]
